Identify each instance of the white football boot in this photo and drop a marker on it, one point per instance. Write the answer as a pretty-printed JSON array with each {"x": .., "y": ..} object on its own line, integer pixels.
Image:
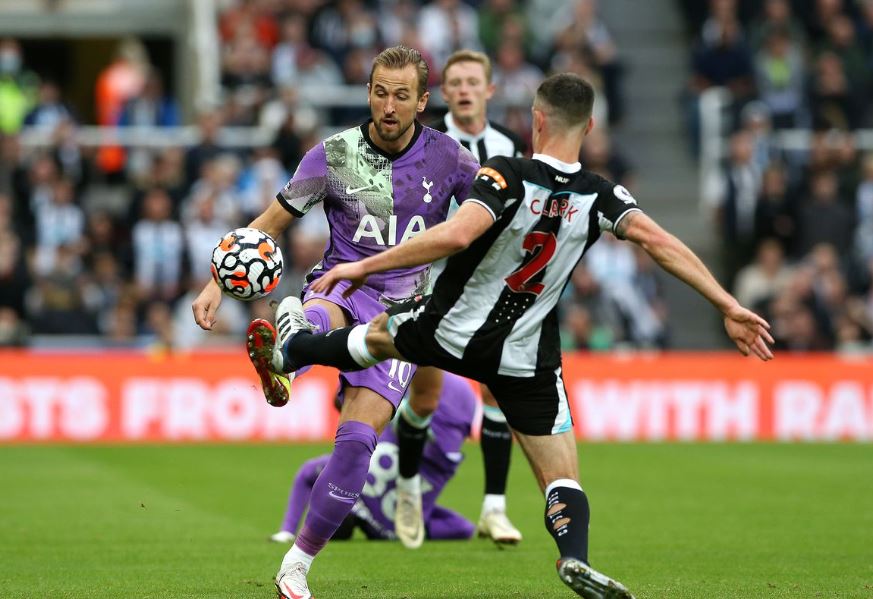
[
  {"x": 408, "y": 519},
  {"x": 283, "y": 536},
  {"x": 495, "y": 525},
  {"x": 588, "y": 582},
  {"x": 291, "y": 582}
]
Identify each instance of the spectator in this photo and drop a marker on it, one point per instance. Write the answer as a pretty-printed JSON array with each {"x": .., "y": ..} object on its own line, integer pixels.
[
  {"x": 516, "y": 80},
  {"x": 56, "y": 304},
  {"x": 780, "y": 75},
  {"x": 448, "y": 25},
  {"x": 764, "y": 278},
  {"x": 586, "y": 30},
  {"x": 344, "y": 26},
  {"x": 720, "y": 59},
  {"x": 493, "y": 18},
  {"x": 774, "y": 212},
  {"x": 158, "y": 248},
  {"x": 831, "y": 95},
  {"x": 777, "y": 15},
  {"x": 15, "y": 279},
  {"x": 823, "y": 217},
  {"x": 151, "y": 107},
  {"x": 49, "y": 111},
  {"x": 17, "y": 87},
  {"x": 285, "y": 55},
  {"x": 60, "y": 228},
  {"x": 864, "y": 212},
  {"x": 247, "y": 18},
  {"x": 738, "y": 204},
  {"x": 209, "y": 124},
  {"x": 599, "y": 157}
]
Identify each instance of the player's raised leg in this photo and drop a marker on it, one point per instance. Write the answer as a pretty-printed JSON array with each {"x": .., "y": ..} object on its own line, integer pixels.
[
  {"x": 265, "y": 340},
  {"x": 496, "y": 444},
  {"x": 413, "y": 428},
  {"x": 337, "y": 488}
]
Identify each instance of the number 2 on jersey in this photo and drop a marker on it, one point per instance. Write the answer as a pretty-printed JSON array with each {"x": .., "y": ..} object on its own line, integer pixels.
[{"x": 541, "y": 246}]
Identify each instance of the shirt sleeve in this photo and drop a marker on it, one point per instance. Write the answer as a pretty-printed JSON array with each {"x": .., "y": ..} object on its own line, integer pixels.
[
  {"x": 467, "y": 167},
  {"x": 614, "y": 202},
  {"x": 308, "y": 186},
  {"x": 492, "y": 187}
]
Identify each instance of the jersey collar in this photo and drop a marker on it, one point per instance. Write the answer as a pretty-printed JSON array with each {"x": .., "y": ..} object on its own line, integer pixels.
[
  {"x": 365, "y": 130},
  {"x": 564, "y": 167},
  {"x": 461, "y": 135}
]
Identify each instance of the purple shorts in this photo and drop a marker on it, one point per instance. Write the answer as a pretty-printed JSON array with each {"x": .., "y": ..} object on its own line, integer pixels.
[{"x": 389, "y": 378}]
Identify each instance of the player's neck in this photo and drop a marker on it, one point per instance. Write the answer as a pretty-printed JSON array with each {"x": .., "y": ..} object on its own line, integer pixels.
[
  {"x": 474, "y": 126},
  {"x": 391, "y": 147},
  {"x": 560, "y": 149}
]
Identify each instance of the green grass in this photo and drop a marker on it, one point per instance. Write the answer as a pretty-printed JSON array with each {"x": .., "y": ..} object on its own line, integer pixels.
[{"x": 671, "y": 521}]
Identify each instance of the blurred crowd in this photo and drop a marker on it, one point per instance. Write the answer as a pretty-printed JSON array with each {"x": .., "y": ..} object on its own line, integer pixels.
[
  {"x": 796, "y": 225},
  {"x": 113, "y": 242}
]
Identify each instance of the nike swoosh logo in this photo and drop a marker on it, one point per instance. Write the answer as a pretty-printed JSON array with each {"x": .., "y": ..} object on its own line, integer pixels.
[
  {"x": 350, "y": 191},
  {"x": 341, "y": 498},
  {"x": 393, "y": 388}
]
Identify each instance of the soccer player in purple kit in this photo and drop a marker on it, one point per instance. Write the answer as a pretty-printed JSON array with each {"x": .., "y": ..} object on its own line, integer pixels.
[
  {"x": 380, "y": 184},
  {"x": 373, "y": 513}
]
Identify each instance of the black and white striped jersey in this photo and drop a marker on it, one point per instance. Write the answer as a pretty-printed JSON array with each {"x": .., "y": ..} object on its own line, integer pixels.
[
  {"x": 495, "y": 305},
  {"x": 494, "y": 140}
]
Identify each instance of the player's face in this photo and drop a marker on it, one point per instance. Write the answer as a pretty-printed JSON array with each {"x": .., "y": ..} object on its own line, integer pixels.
[
  {"x": 394, "y": 103},
  {"x": 466, "y": 91}
]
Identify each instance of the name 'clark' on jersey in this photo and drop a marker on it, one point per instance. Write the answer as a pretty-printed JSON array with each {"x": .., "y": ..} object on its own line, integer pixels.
[{"x": 495, "y": 305}]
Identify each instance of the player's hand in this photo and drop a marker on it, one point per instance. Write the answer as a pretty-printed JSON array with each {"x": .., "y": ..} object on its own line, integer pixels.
[
  {"x": 206, "y": 305},
  {"x": 750, "y": 332},
  {"x": 351, "y": 271}
]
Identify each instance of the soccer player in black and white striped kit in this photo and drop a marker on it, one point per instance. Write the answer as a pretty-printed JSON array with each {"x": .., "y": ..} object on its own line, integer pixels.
[
  {"x": 514, "y": 243},
  {"x": 466, "y": 88}
]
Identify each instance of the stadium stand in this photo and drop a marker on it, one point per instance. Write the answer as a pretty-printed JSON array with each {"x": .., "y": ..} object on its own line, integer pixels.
[
  {"x": 106, "y": 237},
  {"x": 794, "y": 219}
]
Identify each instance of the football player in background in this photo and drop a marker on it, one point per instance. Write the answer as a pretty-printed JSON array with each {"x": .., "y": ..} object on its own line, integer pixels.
[
  {"x": 373, "y": 512},
  {"x": 466, "y": 88}
]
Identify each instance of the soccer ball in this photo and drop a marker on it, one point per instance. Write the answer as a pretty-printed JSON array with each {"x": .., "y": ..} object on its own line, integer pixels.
[{"x": 247, "y": 264}]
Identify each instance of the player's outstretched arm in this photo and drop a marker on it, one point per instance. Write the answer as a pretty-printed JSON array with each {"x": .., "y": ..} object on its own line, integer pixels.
[
  {"x": 746, "y": 329},
  {"x": 469, "y": 222},
  {"x": 273, "y": 221}
]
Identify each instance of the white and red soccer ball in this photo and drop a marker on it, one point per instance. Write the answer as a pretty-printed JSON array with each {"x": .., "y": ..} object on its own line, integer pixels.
[{"x": 247, "y": 264}]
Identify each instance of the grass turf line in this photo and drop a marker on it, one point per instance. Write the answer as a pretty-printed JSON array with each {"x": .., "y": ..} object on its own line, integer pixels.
[{"x": 670, "y": 521}]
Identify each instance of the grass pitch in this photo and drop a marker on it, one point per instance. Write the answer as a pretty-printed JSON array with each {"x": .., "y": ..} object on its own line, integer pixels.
[{"x": 670, "y": 521}]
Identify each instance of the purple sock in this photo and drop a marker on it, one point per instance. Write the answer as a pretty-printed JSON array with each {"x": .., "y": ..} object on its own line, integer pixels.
[
  {"x": 319, "y": 317},
  {"x": 298, "y": 499},
  {"x": 338, "y": 486}
]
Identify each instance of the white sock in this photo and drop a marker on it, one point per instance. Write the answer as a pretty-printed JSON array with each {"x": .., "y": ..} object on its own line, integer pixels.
[
  {"x": 294, "y": 555},
  {"x": 357, "y": 346},
  {"x": 410, "y": 485},
  {"x": 494, "y": 503}
]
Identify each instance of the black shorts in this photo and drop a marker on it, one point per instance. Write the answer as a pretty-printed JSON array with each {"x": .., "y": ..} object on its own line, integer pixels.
[{"x": 535, "y": 405}]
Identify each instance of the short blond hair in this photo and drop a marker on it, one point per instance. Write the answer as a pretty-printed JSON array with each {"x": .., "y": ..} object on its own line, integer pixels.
[
  {"x": 469, "y": 56},
  {"x": 397, "y": 57}
]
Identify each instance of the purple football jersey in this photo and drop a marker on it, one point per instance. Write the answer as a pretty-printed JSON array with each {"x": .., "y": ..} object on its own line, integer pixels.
[
  {"x": 442, "y": 455},
  {"x": 374, "y": 200}
]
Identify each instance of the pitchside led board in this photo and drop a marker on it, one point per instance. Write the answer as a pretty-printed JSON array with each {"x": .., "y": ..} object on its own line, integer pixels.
[{"x": 207, "y": 397}]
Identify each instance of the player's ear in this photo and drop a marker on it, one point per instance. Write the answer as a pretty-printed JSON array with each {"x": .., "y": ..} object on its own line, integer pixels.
[
  {"x": 369, "y": 88},
  {"x": 539, "y": 119},
  {"x": 590, "y": 125},
  {"x": 422, "y": 102},
  {"x": 489, "y": 91}
]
